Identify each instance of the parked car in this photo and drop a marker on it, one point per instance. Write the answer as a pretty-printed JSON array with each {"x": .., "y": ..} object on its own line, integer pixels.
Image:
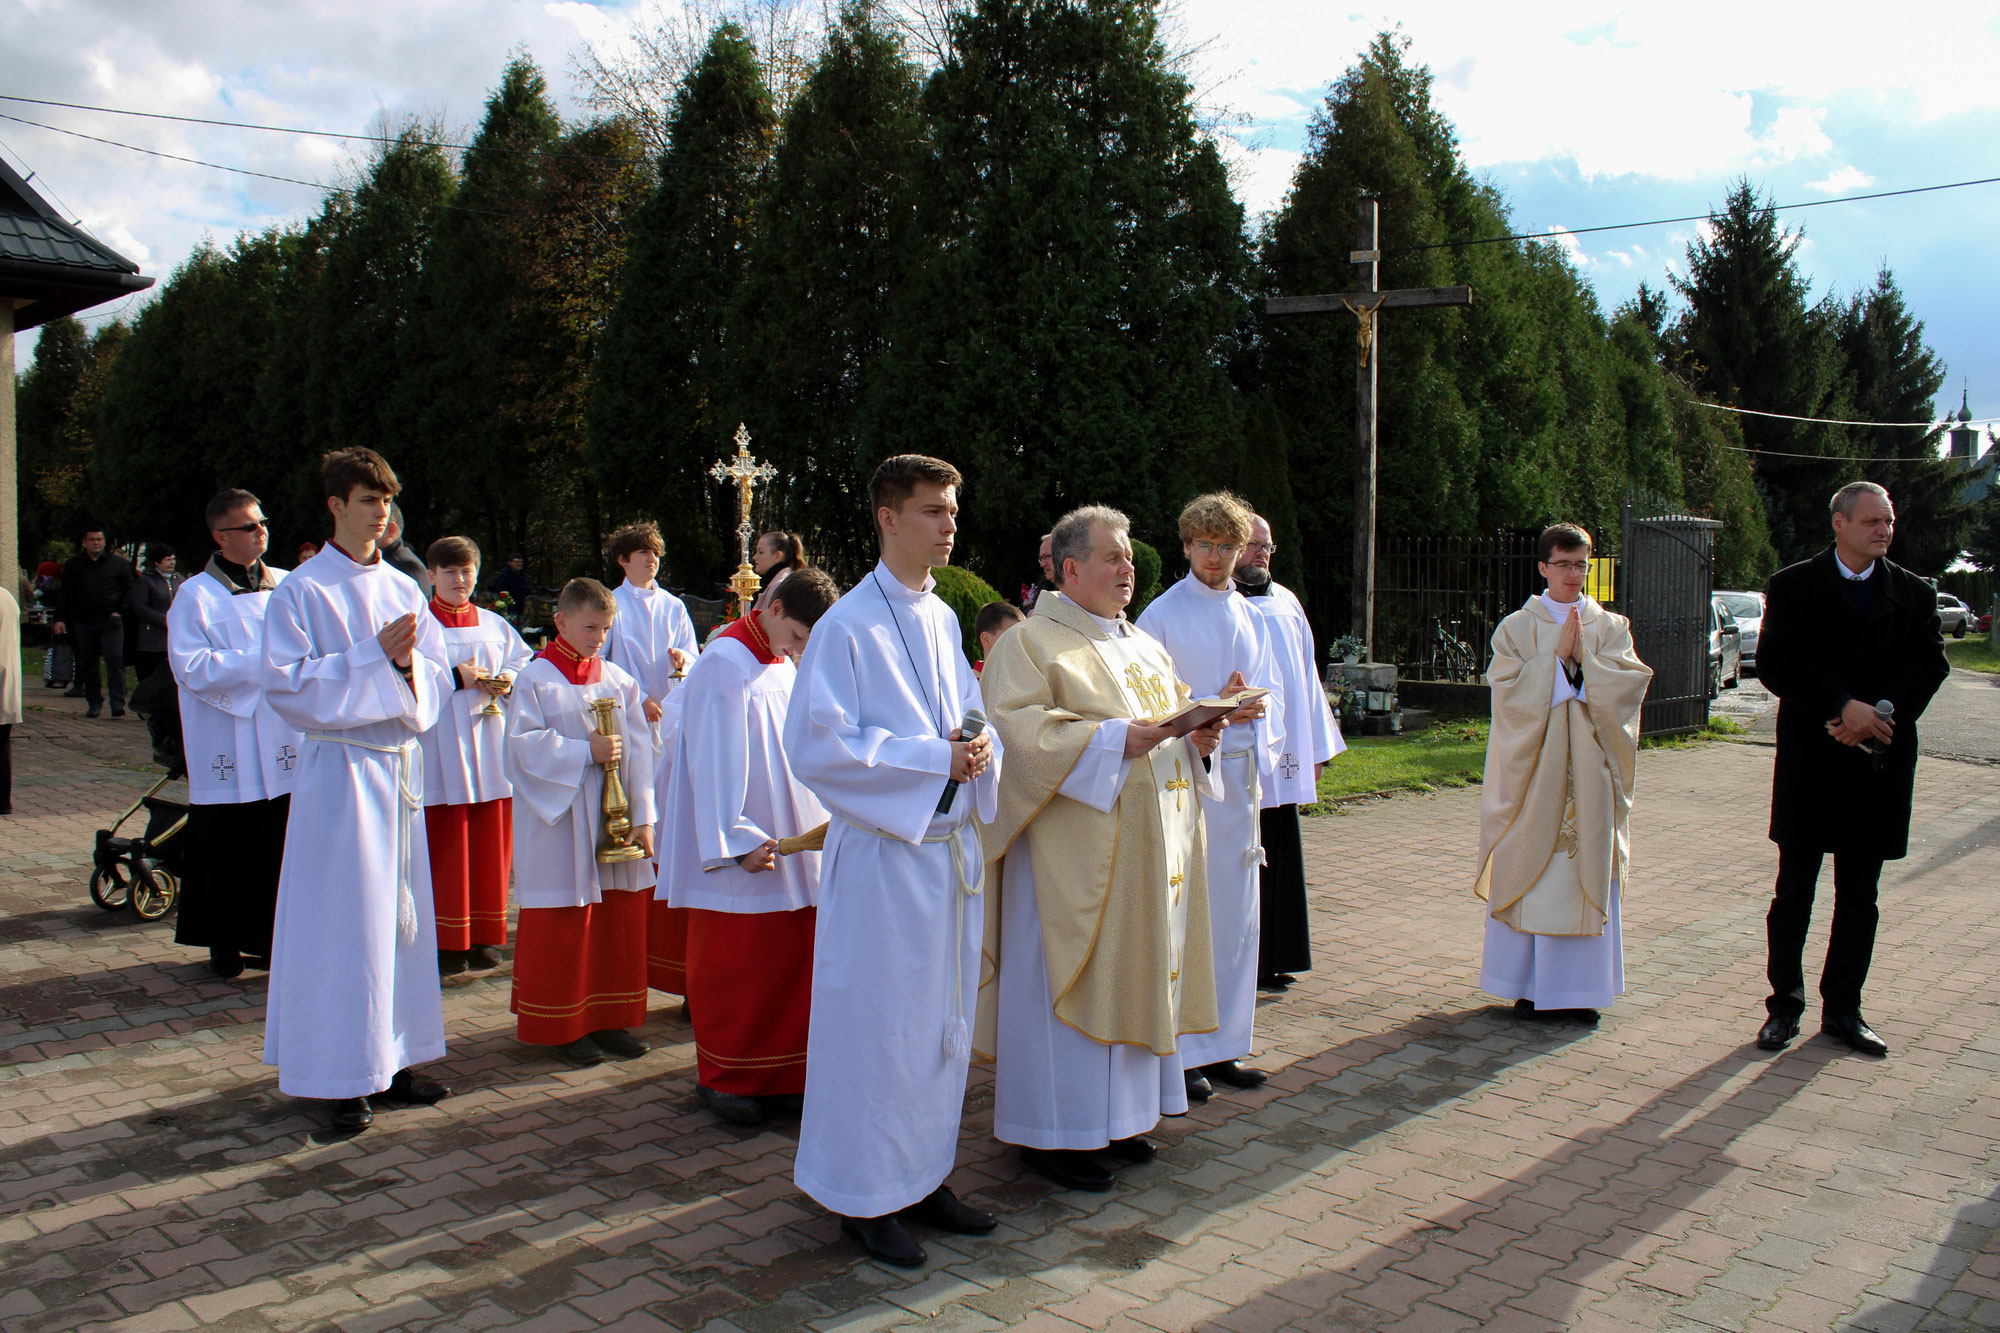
[
  {"x": 1725, "y": 649},
  {"x": 1748, "y": 608},
  {"x": 1955, "y": 616},
  {"x": 1985, "y": 622}
]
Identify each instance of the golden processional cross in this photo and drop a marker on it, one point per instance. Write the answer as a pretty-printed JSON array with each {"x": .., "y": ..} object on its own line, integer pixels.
[{"x": 746, "y": 472}]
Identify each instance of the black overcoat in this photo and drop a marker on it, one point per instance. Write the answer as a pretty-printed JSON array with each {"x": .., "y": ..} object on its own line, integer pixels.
[{"x": 1815, "y": 652}]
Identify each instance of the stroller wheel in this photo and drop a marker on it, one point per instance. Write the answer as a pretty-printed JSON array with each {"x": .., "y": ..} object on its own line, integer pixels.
[
  {"x": 108, "y": 888},
  {"x": 154, "y": 892}
]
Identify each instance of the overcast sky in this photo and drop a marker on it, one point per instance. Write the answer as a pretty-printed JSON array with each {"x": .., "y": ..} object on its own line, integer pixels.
[{"x": 1582, "y": 113}]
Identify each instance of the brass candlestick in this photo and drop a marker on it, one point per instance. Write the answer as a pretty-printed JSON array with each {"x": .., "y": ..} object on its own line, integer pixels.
[{"x": 616, "y": 846}]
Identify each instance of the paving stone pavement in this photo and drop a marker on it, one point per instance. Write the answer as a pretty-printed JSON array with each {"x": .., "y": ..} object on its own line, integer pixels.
[{"x": 1419, "y": 1159}]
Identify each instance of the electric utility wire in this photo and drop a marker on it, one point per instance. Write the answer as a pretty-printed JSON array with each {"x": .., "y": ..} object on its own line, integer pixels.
[
  {"x": 1755, "y": 452},
  {"x": 1837, "y": 421}
]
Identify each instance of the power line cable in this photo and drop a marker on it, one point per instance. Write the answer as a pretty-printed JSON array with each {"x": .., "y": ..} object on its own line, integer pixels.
[
  {"x": 1552, "y": 236},
  {"x": 1755, "y": 452},
  {"x": 1946, "y": 423}
]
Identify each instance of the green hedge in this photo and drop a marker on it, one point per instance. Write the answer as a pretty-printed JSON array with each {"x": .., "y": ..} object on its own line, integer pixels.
[
  {"x": 965, "y": 592},
  {"x": 1146, "y": 578}
]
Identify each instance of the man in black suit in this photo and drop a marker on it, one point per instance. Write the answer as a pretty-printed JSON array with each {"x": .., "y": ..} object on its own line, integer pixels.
[{"x": 1842, "y": 631}]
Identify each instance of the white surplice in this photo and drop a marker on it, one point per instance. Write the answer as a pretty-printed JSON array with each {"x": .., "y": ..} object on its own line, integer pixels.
[
  {"x": 1053, "y": 1087},
  {"x": 1311, "y": 735},
  {"x": 1557, "y": 971},
  {"x": 354, "y": 991},
  {"x": 650, "y": 621},
  {"x": 883, "y": 681},
  {"x": 237, "y": 749},
  {"x": 462, "y": 753},
  {"x": 732, "y": 789},
  {"x": 559, "y": 789},
  {"x": 1211, "y": 634}
]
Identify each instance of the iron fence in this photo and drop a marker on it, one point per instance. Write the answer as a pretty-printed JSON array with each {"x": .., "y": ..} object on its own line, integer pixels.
[{"x": 1438, "y": 601}]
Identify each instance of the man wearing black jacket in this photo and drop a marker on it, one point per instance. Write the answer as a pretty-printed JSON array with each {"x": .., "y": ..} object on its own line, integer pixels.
[
  {"x": 95, "y": 584},
  {"x": 1843, "y": 632}
]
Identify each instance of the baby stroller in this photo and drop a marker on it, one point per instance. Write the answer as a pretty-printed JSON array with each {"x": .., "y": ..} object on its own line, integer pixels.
[{"x": 144, "y": 873}]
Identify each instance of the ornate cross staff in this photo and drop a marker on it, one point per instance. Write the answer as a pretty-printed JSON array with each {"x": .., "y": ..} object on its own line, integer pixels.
[{"x": 746, "y": 472}]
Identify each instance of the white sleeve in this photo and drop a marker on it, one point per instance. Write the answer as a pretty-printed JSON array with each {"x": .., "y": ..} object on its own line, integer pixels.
[
  {"x": 715, "y": 735},
  {"x": 546, "y": 767},
  {"x": 338, "y": 691},
  {"x": 231, "y": 679},
  {"x": 641, "y": 764},
  {"x": 1100, "y": 771}
]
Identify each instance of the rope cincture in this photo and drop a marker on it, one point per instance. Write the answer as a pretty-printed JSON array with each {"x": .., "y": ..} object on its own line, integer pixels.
[{"x": 407, "y": 755}]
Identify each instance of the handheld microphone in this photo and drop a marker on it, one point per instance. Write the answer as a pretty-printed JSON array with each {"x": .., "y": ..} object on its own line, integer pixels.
[
  {"x": 1887, "y": 712},
  {"x": 970, "y": 729}
]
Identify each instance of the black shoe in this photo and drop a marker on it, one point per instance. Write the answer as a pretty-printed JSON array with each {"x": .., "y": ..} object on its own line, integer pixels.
[
  {"x": 451, "y": 962},
  {"x": 942, "y": 1209},
  {"x": 583, "y": 1053},
  {"x": 225, "y": 962},
  {"x": 73, "y": 692},
  {"x": 729, "y": 1107},
  {"x": 1777, "y": 1032},
  {"x": 116, "y": 711},
  {"x": 1275, "y": 980},
  {"x": 1234, "y": 1074},
  {"x": 620, "y": 1044},
  {"x": 886, "y": 1238},
  {"x": 1199, "y": 1089},
  {"x": 1068, "y": 1168},
  {"x": 353, "y": 1113},
  {"x": 95, "y": 710},
  {"x": 1526, "y": 1009},
  {"x": 257, "y": 962},
  {"x": 1587, "y": 1017},
  {"x": 1135, "y": 1151},
  {"x": 414, "y": 1090},
  {"x": 483, "y": 958},
  {"x": 1853, "y": 1031}
]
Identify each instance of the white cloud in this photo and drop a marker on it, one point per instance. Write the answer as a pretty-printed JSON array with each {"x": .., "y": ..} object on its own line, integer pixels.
[
  {"x": 1261, "y": 176},
  {"x": 1570, "y": 246},
  {"x": 1843, "y": 180}
]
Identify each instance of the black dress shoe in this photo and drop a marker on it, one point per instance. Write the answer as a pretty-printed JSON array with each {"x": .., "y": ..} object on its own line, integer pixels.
[
  {"x": 95, "y": 710},
  {"x": 942, "y": 1209},
  {"x": 451, "y": 962},
  {"x": 620, "y": 1044},
  {"x": 1068, "y": 1168},
  {"x": 886, "y": 1238},
  {"x": 1234, "y": 1074},
  {"x": 729, "y": 1107},
  {"x": 353, "y": 1113},
  {"x": 1275, "y": 980},
  {"x": 482, "y": 958},
  {"x": 116, "y": 711},
  {"x": 1134, "y": 1151},
  {"x": 1199, "y": 1089},
  {"x": 1778, "y": 1030},
  {"x": 1587, "y": 1017},
  {"x": 1853, "y": 1031},
  {"x": 583, "y": 1053},
  {"x": 1526, "y": 1009},
  {"x": 225, "y": 962},
  {"x": 414, "y": 1090}
]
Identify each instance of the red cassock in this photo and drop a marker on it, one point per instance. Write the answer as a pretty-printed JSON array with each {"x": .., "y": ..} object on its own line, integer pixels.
[
  {"x": 749, "y": 980},
  {"x": 472, "y": 862},
  {"x": 667, "y": 948},
  {"x": 579, "y": 970}
]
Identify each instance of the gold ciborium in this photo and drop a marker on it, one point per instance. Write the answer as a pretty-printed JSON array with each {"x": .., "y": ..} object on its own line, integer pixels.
[
  {"x": 494, "y": 686},
  {"x": 616, "y": 846}
]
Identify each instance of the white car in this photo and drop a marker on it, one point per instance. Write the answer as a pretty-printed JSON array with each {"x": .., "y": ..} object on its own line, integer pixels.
[
  {"x": 1748, "y": 608},
  {"x": 1954, "y": 616}
]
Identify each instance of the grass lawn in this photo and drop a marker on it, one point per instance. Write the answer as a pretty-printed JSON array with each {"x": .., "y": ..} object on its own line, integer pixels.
[
  {"x": 1451, "y": 753},
  {"x": 1974, "y": 654}
]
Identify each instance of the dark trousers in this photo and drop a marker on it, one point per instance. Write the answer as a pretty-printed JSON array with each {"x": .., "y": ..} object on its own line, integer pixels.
[
  {"x": 1852, "y": 946},
  {"x": 7, "y": 768},
  {"x": 101, "y": 638},
  {"x": 145, "y": 662}
]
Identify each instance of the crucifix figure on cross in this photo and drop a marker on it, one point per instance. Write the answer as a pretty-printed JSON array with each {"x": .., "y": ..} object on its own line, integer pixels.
[
  {"x": 746, "y": 472},
  {"x": 1365, "y": 303}
]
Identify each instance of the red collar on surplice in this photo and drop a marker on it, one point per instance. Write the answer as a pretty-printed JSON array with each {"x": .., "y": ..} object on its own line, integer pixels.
[
  {"x": 463, "y": 616},
  {"x": 748, "y": 630},
  {"x": 576, "y": 670}
]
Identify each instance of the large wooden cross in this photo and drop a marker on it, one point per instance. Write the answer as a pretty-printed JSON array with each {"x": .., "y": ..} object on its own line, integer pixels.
[{"x": 1363, "y": 303}]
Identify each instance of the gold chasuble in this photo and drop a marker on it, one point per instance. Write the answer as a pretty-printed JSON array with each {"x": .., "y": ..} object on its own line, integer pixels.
[
  {"x": 1558, "y": 785},
  {"x": 1123, "y": 897}
]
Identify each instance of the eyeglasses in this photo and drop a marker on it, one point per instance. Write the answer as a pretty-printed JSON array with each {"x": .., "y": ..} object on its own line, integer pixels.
[
  {"x": 259, "y": 526},
  {"x": 1573, "y": 566},
  {"x": 1217, "y": 548},
  {"x": 1261, "y": 548}
]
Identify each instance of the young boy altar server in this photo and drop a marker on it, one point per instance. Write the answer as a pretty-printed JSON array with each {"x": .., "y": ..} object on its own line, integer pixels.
[
  {"x": 750, "y": 911},
  {"x": 653, "y": 641},
  {"x": 1220, "y": 644},
  {"x": 468, "y": 802},
  {"x": 874, "y": 730},
  {"x": 580, "y": 959},
  {"x": 353, "y": 660},
  {"x": 1567, "y": 686}
]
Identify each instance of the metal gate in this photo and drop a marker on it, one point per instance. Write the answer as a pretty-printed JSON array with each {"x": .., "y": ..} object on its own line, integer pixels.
[{"x": 1666, "y": 567}]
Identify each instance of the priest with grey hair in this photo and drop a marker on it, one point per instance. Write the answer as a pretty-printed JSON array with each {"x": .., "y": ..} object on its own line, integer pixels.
[{"x": 1098, "y": 959}]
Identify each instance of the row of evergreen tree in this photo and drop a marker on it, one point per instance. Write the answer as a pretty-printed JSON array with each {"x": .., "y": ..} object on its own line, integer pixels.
[{"x": 1027, "y": 260}]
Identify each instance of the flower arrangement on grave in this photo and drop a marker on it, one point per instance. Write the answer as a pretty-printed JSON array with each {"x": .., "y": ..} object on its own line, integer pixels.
[{"x": 1348, "y": 647}]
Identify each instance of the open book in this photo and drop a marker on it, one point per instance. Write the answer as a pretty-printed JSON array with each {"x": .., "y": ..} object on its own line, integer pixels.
[{"x": 1197, "y": 713}]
